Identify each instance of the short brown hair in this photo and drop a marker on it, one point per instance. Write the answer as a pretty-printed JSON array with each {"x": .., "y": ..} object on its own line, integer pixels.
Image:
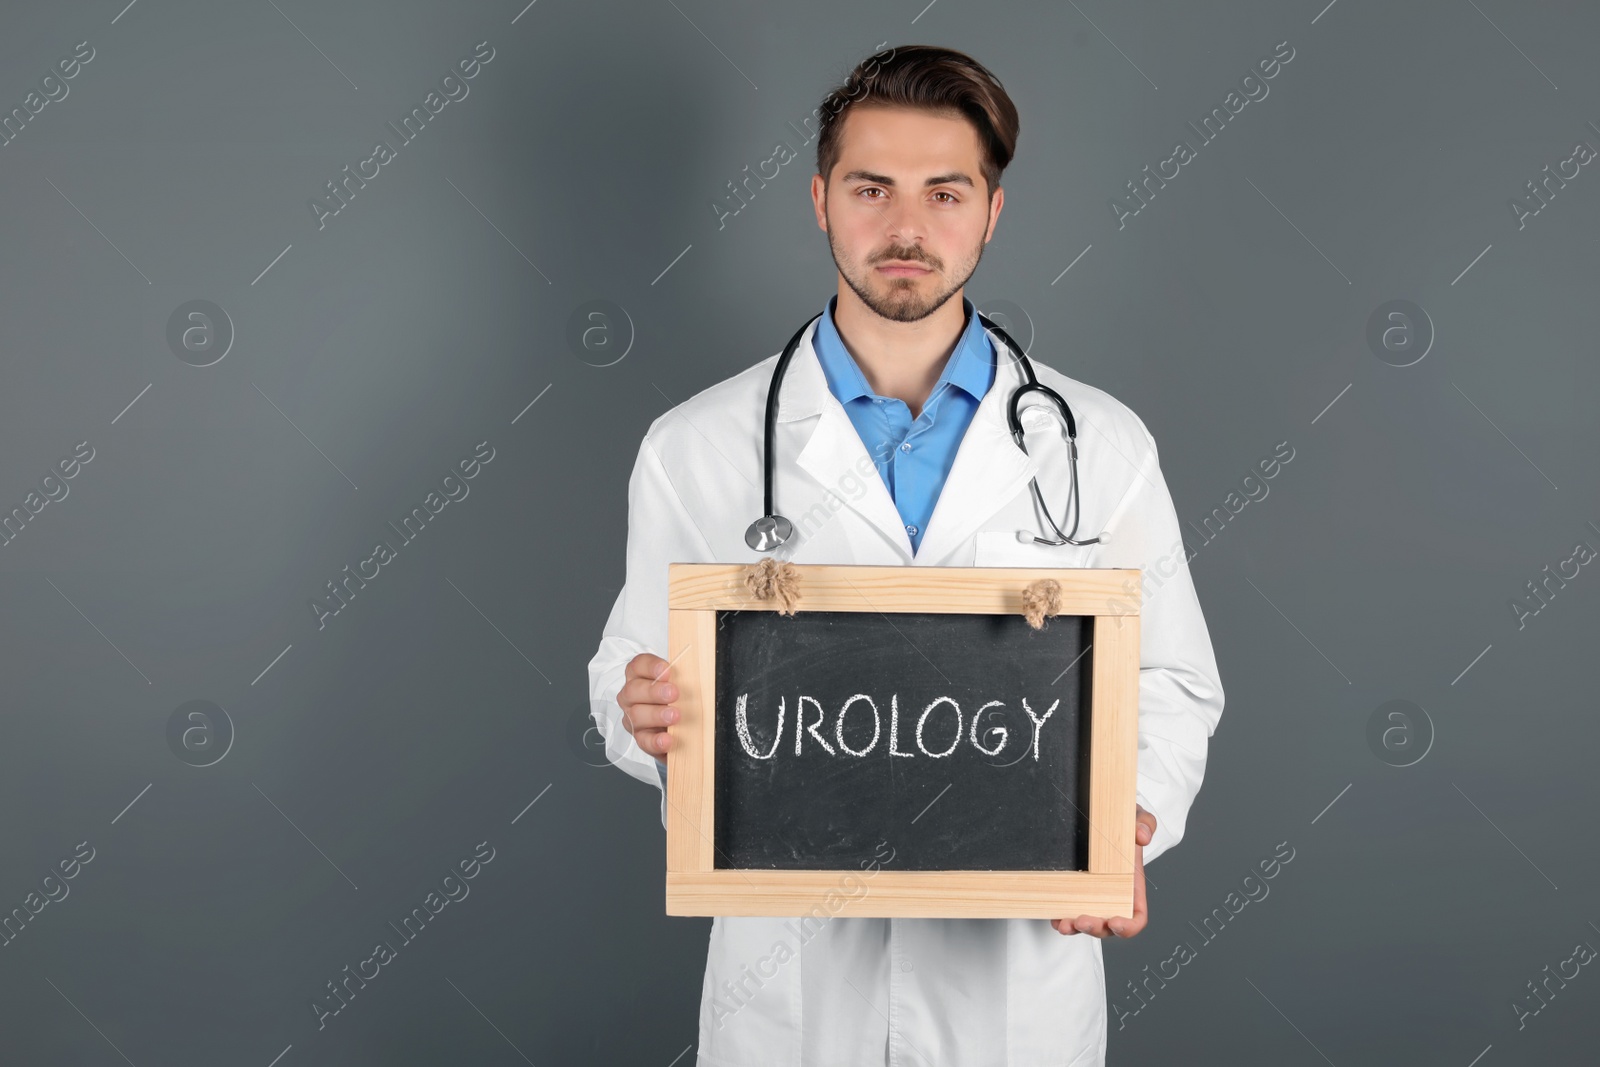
[{"x": 933, "y": 79}]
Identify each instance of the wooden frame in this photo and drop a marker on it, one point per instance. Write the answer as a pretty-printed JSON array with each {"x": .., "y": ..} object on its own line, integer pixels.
[{"x": 695, "y": 886}]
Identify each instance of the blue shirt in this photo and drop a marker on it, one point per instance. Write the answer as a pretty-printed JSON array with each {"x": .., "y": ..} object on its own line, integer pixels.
[{"x": 913, "y": 456}]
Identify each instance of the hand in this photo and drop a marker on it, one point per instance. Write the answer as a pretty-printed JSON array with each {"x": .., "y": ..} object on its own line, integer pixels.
[
  {"x": 644, "y": 698},
  {"x": 1144, "y": 829}
]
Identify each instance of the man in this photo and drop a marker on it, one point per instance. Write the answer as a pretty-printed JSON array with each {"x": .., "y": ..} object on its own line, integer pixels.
[{"x": 892, "y": 448}]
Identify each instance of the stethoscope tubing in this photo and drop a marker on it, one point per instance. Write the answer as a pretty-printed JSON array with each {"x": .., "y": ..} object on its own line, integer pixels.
[{"x": 772, "y": 520}]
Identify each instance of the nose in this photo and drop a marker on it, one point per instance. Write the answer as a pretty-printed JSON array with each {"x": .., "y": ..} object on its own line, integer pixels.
[{"x": 903, "y": 226}]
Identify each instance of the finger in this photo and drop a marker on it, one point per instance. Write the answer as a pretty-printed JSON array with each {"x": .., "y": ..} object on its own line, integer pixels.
[
  {"x": 1141, "y": 913},
  {"x": 1145, "y": 825},
  {"x": 1091, "y": 924},
  {"x": 647, "y": 665},
  {"x": 1121, "y": 927},
  {"x": 644, "y": 691},
  {"x": 1063, "y": 926},
  {"x": 655, "y": 742},
  {"x": 641, "y": 717}
]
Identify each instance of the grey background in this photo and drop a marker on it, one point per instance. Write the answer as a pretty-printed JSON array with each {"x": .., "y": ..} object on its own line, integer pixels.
[{"x": 450, "y": 694}]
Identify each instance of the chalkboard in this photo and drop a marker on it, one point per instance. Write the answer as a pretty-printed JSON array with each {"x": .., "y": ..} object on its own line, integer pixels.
[
  {"x": 1025, "y": 812},
  {"x": 963, "y": 741}
]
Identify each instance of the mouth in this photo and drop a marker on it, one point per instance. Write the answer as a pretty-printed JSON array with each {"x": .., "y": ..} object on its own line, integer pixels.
[{"x": 904, "y": 270}]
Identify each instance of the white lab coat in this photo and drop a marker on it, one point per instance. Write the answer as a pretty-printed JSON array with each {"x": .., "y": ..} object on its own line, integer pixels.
[{"x": 869, "y": 992}]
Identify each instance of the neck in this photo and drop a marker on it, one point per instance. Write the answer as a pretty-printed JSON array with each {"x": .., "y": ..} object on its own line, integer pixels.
[{"x": 899, "y": 359}]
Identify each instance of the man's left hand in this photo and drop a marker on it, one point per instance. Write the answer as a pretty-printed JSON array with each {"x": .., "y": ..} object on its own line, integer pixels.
[{"x": 1144, "y": 829}]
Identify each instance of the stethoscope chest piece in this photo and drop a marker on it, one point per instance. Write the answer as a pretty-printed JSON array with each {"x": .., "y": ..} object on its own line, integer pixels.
[{"x": 768, "y": 532}]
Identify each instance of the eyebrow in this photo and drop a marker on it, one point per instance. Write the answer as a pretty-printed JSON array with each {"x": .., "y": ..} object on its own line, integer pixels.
[{"x": 953, "y": 178}]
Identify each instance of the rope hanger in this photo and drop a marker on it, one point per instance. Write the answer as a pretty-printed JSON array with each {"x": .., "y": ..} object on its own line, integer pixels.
[{"x": 773, "y": 579}]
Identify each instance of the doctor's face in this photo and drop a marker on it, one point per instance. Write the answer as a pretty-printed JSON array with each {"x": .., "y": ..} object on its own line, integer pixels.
[{"x": 906, "y": 210}]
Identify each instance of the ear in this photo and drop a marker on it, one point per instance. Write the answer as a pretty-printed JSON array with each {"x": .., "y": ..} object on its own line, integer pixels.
[
  {"x": 819, "y": 201},
  {"x": 994, "y": 211}
]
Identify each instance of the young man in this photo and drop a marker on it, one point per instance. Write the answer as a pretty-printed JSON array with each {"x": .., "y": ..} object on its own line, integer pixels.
[{"x": 892, "y": 448}]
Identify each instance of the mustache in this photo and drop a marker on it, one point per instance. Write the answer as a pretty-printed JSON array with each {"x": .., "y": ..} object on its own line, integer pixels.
[{"x": 909, "y": 256}]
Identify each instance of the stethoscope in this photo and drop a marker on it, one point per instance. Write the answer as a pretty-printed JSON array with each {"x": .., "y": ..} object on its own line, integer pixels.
[{"x": 772, "y": 529}]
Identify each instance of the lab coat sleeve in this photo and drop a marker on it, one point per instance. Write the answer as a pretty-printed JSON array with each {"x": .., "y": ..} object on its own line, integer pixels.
[
  {"x": 1180, "y": 691},
  {"x": 660, "y": 531}
]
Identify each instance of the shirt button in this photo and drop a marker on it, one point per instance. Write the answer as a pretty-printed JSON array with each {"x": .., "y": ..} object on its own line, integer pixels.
[
  {"x": 906, "y": 447},
  {"x": 912, "y": 530}
]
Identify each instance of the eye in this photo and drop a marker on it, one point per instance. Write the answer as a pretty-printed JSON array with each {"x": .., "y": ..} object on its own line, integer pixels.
[
  {"x": 953, "y": 199},
  {"x": 872, "y": 189}
]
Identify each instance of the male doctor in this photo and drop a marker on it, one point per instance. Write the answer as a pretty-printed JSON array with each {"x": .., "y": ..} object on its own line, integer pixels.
[{"x": 892, "y": 448}]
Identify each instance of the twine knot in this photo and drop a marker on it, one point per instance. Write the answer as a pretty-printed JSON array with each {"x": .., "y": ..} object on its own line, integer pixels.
[
  {"x": 774, "y": 579},
  {"x": 1041, "y": 597}
]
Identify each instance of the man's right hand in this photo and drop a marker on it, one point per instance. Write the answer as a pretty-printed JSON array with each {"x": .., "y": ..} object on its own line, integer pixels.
[{"x": 645, "y": 699}]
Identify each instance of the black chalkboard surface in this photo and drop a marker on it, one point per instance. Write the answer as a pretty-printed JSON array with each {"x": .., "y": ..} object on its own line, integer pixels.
[{"x": 1008, "y": 792}]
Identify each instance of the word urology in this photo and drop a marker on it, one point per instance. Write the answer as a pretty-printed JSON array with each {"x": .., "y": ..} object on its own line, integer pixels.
[
  {"x": 341, "y": 592},
  {"x": 343, "y": 190},
  {"x": 453, "y": 888},
  {"x": 948, "y": 716}
]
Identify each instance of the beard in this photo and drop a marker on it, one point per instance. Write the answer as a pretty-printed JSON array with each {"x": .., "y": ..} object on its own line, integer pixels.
[{"x": 903, "y": 299}]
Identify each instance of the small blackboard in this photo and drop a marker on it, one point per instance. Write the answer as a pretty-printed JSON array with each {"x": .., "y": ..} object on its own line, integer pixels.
[
  {"x": 958, "y": 739},
  {"x": 955, "y": 742}
]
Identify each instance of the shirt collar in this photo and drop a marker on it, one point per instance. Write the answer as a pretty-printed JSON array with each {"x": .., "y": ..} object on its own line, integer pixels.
[{"x": 970, "y": 366}]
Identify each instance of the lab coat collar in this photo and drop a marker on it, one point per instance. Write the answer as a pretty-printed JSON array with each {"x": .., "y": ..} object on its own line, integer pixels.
[{"x": 989, "y": 469}]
